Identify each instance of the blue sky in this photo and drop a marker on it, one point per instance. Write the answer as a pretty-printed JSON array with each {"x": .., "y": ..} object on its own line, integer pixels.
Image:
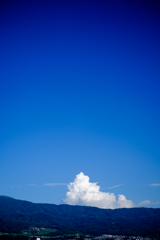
[{"x": 79, "y": 92}]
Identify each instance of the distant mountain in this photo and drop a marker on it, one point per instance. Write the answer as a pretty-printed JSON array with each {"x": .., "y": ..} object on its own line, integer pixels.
[{"x": 17, "y": 215}]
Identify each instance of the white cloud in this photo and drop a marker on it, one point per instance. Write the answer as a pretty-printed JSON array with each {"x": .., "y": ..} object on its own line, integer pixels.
[
  {"x": 83, "y": 192},
  {"x": 146, "y": 202},
  {"x": 154, "y": 184},
  {"x": 156, "y": 203},
  {"x": 115, "y": 186}
]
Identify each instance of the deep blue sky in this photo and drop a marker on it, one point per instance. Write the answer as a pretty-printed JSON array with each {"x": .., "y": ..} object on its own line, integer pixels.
[{"x": 79, "y": 92}]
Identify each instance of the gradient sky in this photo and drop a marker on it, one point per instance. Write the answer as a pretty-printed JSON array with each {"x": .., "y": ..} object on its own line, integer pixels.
[{"x": 80, "y": 92}]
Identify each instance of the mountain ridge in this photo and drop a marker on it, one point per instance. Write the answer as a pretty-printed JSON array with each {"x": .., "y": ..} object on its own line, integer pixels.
[{"x": 17, "y": 215}]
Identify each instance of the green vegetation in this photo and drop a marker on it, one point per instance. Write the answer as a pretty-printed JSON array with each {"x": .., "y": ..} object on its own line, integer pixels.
[{"x": 46, "y": 232}]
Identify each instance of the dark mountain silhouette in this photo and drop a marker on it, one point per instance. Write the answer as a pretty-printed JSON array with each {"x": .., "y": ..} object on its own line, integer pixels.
[{"x": 17, "y": 215}]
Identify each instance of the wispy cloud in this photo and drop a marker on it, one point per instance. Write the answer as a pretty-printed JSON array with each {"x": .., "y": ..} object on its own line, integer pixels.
[
  {"x": 84, "y": 192},
  {"x": 145, "y": 202},
  {"x": 148, "y": 202},
  {"x": 115, "y": 186},
  {"x": 156, "y": 203},
  {"x": 55, "y": 184},
  {"x": 155, "y": 185}
]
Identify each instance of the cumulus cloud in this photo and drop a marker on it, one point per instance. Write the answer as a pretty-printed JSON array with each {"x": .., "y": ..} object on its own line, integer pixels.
[{"x": 83, "y": 192}]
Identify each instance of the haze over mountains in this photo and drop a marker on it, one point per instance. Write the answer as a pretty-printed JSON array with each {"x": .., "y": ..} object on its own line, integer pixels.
[{"x": 17, "y": 215}]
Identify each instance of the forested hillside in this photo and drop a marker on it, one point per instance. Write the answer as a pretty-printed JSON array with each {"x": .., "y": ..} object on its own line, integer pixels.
[{"x": 17, "y": 215}]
